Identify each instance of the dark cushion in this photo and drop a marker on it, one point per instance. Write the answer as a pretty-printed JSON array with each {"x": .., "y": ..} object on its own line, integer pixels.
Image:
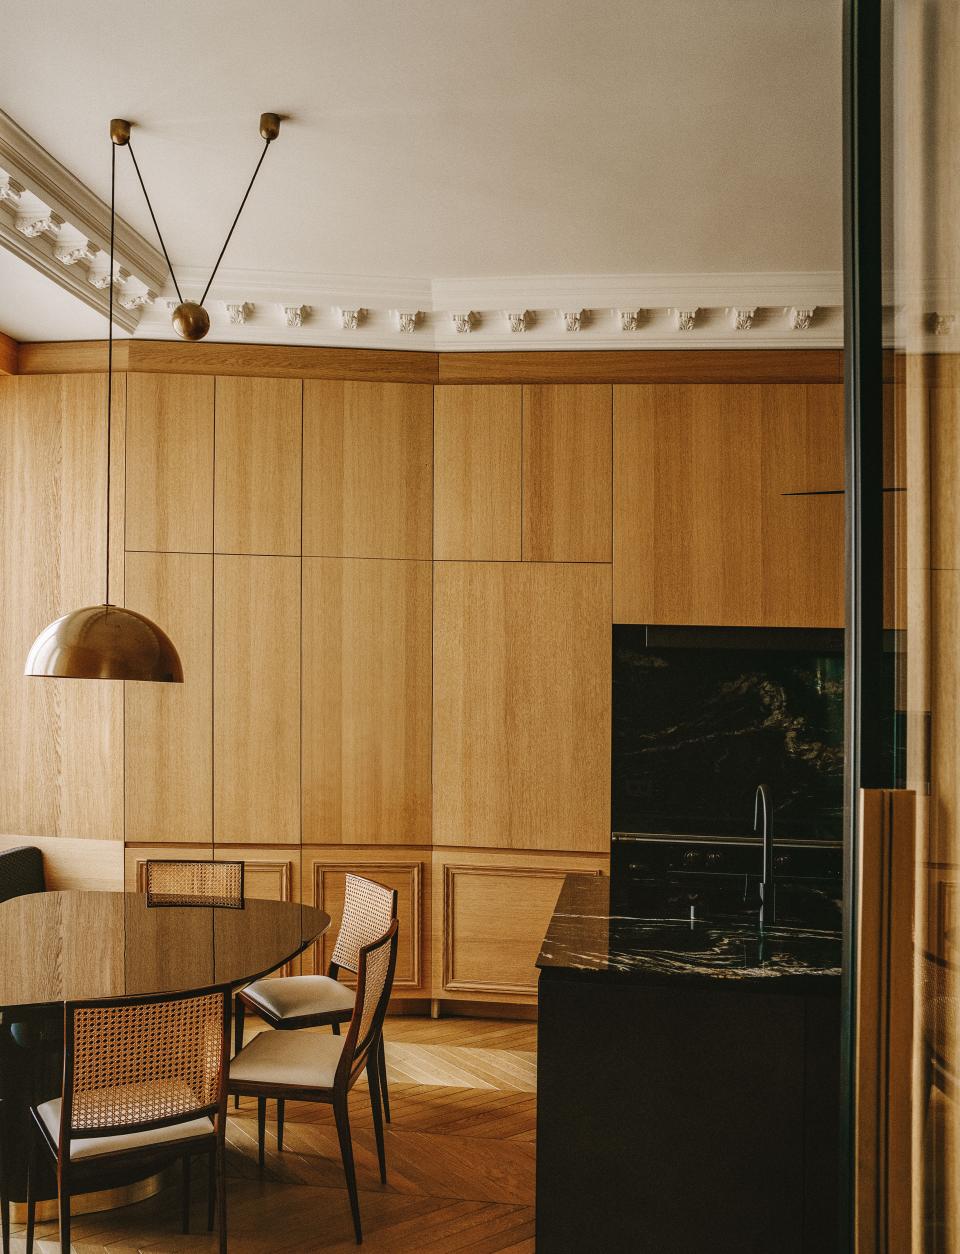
[{"x": 21, "y": 872}]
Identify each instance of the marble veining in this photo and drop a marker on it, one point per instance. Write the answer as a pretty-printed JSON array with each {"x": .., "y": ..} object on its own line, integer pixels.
[{"x": 586, "y": 936}]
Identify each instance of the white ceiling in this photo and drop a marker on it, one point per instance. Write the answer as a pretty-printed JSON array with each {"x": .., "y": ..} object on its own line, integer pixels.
[{"x": 437, "y": 140}]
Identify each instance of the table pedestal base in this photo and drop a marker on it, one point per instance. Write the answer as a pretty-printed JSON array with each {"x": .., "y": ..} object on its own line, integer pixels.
[{"x": 89, "y": 1203}]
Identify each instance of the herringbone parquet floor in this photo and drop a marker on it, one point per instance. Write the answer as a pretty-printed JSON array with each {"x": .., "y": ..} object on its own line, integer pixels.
[{"x": 460, "y": 1161}]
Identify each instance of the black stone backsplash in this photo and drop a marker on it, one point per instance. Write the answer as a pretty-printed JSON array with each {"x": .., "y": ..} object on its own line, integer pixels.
[{"x": 701, "y": 716}]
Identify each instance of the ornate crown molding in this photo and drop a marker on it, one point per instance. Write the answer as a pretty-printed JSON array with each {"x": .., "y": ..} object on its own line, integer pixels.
[
  {"x": 685, "y": 319},
  {"x": 800, "y": 319}
]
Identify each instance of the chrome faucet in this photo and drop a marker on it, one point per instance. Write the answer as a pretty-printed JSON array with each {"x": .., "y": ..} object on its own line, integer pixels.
[{"x": 762, "y": 805}]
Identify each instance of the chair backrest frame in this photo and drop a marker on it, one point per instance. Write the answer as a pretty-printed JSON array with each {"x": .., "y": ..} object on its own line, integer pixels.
[
  {"x": 216, "y": 1108},
  {"x": 232, "y": 901},
  {"x": 356, "y": 886},
  {"x": 24, "y": 865},
  {"x": 355, "y": 1052}
]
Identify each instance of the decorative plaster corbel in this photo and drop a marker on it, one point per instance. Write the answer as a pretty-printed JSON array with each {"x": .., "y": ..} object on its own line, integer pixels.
[
  {"x": 350, "y": 319},
  {"x": 800, "y": 319},
  {"x": 137, "y": 300},
  {"x": 34, "y": 225},
  {"x": 294, "y": 315},
  {"x": 741, "y": 318},
  {"x": 572, "y": 319},
  {"x": 238, "y": 314},
  {"x": 518, "y": 321},
  {"x": 685, "y": 319},
  {"x": 101, "y": 280},
  {"x": 407, "y": 322},
  {"x": 10, "y": 191},
  {"x": 463, "y": 322},
  {"x": 74, "y": 254},
  {"x": 944, "y": 323},
  {"x": 629, "y": 319}
]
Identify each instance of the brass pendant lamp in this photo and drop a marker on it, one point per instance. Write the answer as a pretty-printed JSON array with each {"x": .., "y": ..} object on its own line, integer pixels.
[{"x": 106, "y": 641}]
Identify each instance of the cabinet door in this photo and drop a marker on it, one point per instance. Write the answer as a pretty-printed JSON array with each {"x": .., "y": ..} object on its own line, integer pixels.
[
  {"x": 256, "y": 715},
  {"x": 521, "y": 729},
  {"x": 168, "y": 751},
  {"x": 687, "y": 493},
  {"x": 366, "y": 701},
  {"x": 476, "y": 476},
  {"x": 567, "y": 433},
  {"x": 368, "y": 469},
  {"x": 169, "y": 463},
  {"x": 258, "y": 466},
  {"x": 802, "y": 505}
]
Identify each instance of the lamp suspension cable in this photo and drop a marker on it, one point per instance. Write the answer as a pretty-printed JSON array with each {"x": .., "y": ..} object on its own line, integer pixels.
[
  {"x": 190, "y": 319},
  {"x": 113, "y": 232}
]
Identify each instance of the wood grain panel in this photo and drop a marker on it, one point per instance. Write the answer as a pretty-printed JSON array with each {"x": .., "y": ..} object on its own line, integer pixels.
[
  {"x": 256, "y": 753},
  {"x": 279, "y": 361},
  {"x": 477, "y": 473},
  {"x": 803, "y": 438},
  {"x": 168, "y": 727},
  {"x": 94, "y": 865},
  {"x": 367, "y": 470},
  {"x": 521, "y": 731},
  {"x": 257, "y": 473},
  {"x": 169, "y": 470},
  {"x": 329, "y": 883},
  {"x": 736, "y": 365},
  {"x": 366, "y": 701},
  {"x": 494, "y": 922},
  {"x": 687, "y": 493},
  {"x": 8, "y": 354},
  {"x": 61, "y": 768},
  {"x": 567, "y": 437}
]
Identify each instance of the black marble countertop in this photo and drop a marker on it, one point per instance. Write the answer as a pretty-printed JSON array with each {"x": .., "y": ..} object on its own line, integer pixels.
[{"x": 587, "y": 938}]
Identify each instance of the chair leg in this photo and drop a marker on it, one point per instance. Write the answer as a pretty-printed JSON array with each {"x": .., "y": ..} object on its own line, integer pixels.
[
  {"x": 33, "y": 1164},
  {"x": 346, "y": 1153},
  {"x": 280, "y": 1113},
  {"x": 382, "y": 1068},
  {"x": 211, "y": 1187},
  {"x": 185, "y": 1193},
  {"x": 239, "y": 1011},
  {"x": 222, "y": 1196},
  {"x": 373, "y": 1080},
  {"x": 261, "y": 1129},
  {"x": 64, "y": 1198},
  {"x": 335, "y": 1028}
]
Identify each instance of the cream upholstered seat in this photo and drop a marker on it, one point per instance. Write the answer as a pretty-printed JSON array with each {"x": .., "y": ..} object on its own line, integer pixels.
[
  {"x": 302, "y": 1060},
  {"x": 121, "y": 1142},
  {"x": 298, "y": 996},
  {"x": 310, "y": 1067}
]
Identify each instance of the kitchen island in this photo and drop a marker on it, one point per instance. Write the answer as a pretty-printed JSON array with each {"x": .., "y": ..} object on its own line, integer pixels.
[{"x": 688, "y": 1085}]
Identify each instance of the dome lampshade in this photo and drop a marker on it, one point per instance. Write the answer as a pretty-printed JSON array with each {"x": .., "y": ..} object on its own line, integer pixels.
[{"x": 104, "y": 642}]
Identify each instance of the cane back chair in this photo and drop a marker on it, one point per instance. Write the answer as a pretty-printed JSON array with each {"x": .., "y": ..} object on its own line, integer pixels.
[
  {"x": 144, "y": 1084},
  {"x": 309, "y": 1067},
  {"x": 312, "y": 1001},
  {"x": 194, "y": 882}
]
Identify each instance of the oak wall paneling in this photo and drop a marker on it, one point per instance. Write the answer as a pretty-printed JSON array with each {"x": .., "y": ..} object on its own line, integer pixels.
[
  {"x": 169, "y": 465},
  {"x": 367, "y": 469},
  {"x": 687, "y": 504},
  {"x": 61, "y": 773},
  {"x": 168, "y": 741},
  {"x": 477, "y": 473},
  {"x": 567, "y": 438},
  {"x": 366, "y": 701},
  {"x": 257, "y": 471},
  {"x": 491, "y": 910},
  {"x": 521, "y": 716},
  {"x": 406, "y": 870},
  {"x": 68, "y": 863},
  {"x": 9, "y": 354},
  {"x": 256, "y": 712}
]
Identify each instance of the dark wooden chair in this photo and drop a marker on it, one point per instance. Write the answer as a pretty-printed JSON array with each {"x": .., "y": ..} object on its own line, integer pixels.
[
  {"x": 315, "y": 1001},
  {"x": 310, "y": 1067},
  {"x": 194, "y": 882},
  {"x": 144, "y": 1084}
]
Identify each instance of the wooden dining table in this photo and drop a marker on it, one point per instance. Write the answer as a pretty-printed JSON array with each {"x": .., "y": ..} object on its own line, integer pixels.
[{"x": 66, "y": 946}]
